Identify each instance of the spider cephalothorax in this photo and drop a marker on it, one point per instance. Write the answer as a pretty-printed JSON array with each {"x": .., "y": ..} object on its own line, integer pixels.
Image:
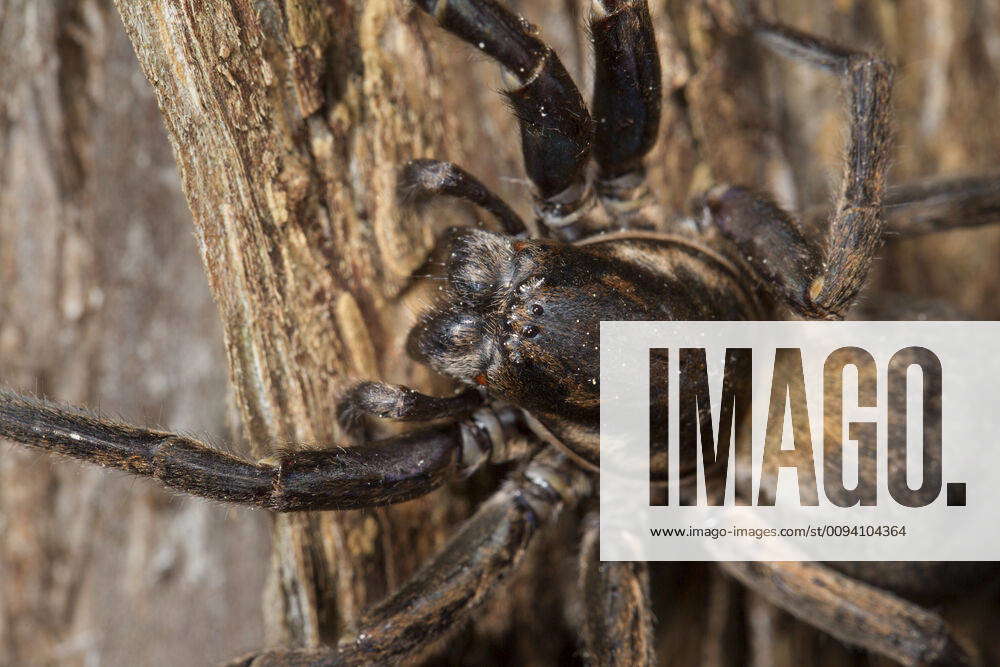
[
  {"x": 521, "y": 317},
  {"x": 518, "y": 324}
]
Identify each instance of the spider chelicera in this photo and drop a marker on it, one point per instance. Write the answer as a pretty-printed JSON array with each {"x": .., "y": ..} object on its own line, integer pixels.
[{"x": 518, "y": 327}]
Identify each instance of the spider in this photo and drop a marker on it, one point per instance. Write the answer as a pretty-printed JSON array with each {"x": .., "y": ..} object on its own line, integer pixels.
[{"x": 518, "y": 327}]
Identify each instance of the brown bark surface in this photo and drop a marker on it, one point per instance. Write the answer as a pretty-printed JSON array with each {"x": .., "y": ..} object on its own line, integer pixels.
[
  {"x": 288, "y": 119},
  {"x": 103, "y": 302}
]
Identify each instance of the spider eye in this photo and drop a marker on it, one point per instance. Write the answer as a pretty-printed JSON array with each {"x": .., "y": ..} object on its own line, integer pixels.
[
  {"x": 529, "y": 331},
  {"x": 537, "y": 310}
]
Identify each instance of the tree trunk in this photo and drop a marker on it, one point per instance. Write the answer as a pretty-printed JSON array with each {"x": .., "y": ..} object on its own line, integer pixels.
[
  {"x": 104, "y": 303},
  {"x": 288, "y": 120}
]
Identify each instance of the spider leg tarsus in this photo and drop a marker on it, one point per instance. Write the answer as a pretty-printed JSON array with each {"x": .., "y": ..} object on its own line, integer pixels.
[
  {"x": 424, "y": 179},
  {"x": 399, "y": 402}
]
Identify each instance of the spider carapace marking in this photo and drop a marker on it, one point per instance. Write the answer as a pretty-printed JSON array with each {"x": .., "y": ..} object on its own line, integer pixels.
[
  {"x": 522, "y": 318},
  {"x": 519, "y": 327}
]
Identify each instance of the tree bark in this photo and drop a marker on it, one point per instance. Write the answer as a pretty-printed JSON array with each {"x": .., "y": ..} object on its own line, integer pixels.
[
  {"x": 103, "y": 302},
  {"x": 288, "y": 120}
]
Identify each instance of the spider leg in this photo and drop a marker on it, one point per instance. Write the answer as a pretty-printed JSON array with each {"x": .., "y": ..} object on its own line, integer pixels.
[
  {"x": 853, "y": 612},
  {"x": 556, "y": 128},
  {"x": 401, "y": 403},
  {"x": 379, "y": 473},
  {"x": 941, "y": 204},
  {"x": 626, "y": 106},
  {"x": 442, "y": 595},
  {"x": 618, "y": 627},
  {"x": 819, "y": 282},
  {"x": 927, "y": 206},
  {"x": 423, "y": 179}
]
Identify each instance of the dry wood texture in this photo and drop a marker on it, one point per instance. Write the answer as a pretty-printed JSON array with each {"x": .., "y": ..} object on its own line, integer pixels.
[
  {"x": 103, "y": 302},
  {"x": 288, "y": 119}
]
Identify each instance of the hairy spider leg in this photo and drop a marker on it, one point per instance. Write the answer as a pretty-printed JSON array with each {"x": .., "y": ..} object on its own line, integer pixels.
[
  {"x": 819, "y": 282},
  {"x": 927, "y": 206},
  {"x": 853, "y": 611},
  {"x": 442, "y": 595},
  {"x": 377, "y": 399},
  {"x": 626, "y": 103},
  {"x": 618, "y": 620},
  {"x": 941, "y": 204},
  {"x": 425, "y": 179},
  {"x": 823, "y": 282},
  {"x": 383, "y": 472},
  {"x": 556, "y": 128}
]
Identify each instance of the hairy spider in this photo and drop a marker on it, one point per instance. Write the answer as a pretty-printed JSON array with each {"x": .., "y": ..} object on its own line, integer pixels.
[{"x": 519, "y": 324}]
